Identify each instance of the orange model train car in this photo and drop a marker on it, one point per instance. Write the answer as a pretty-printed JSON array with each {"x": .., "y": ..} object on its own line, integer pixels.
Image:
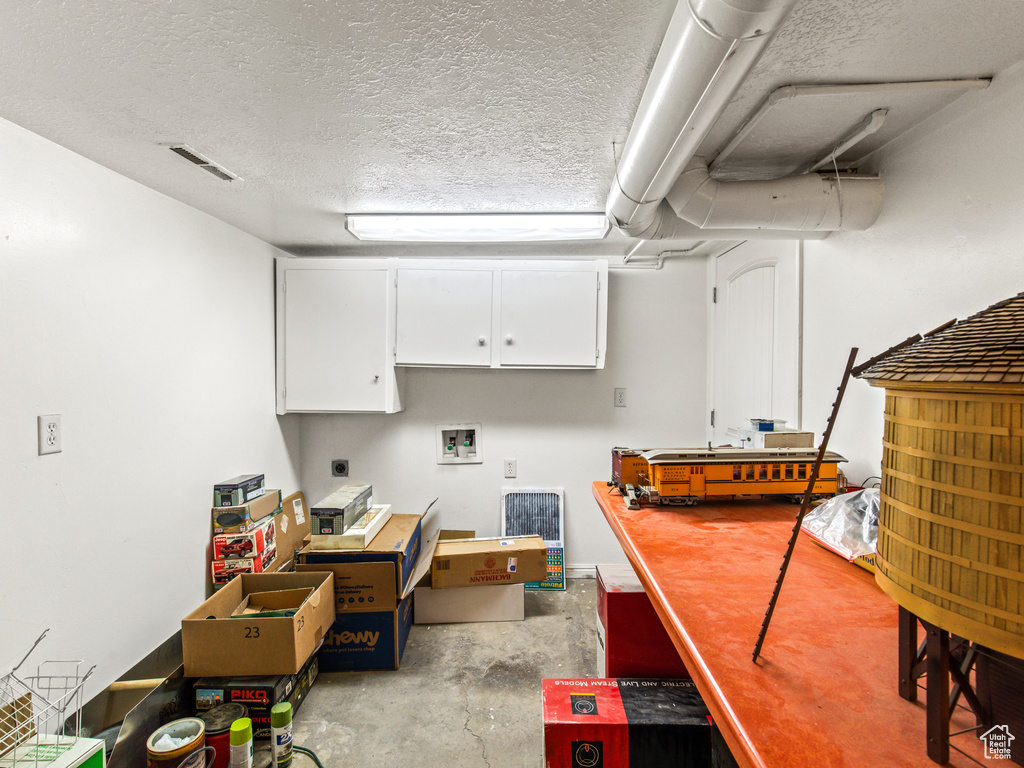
[{"x": 686, "y": 475}]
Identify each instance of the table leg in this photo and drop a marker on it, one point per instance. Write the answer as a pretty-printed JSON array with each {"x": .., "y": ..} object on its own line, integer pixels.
[
  {"x": 908, "y": 654},
  {"x": 937, "y": 693}
]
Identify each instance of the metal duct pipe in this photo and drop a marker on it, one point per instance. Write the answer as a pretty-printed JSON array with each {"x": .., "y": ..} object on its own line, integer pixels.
[
  {"x": 709, "y": 48},
  {"x": 808, "y": 203},
  {"x": 666, "y": 225}
]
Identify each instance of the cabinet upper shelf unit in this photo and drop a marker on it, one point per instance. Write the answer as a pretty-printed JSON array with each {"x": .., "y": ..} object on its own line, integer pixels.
[
  {"x": 502, "y": 313},
  {"x": 345, "y": 327}
]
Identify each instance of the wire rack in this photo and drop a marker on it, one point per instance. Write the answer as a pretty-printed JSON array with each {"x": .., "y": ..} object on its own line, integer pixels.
[{"x": 34, "y": 711}]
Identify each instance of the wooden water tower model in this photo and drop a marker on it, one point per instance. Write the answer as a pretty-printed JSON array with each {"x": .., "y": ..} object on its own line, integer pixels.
[{"x": 951, "y": 527}]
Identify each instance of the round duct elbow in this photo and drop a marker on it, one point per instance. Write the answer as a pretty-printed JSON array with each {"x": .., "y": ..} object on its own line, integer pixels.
[
  {"x": 809, "y": 203},
  {"x": 629, "y": 216},
  {"x": 740, "y": 19}
]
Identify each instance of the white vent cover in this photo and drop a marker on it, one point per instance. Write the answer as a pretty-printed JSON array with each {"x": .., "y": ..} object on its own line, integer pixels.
[
  {"x": 185, "y": 151},
  {"x": 533, "y": 512}
]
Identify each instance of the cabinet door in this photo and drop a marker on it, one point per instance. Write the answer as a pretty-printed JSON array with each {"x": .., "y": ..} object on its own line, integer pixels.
[
  {"x": 335, "y": 340},
  {"x": 444, "y": 317},
  {"x": 549, "y": 318}
]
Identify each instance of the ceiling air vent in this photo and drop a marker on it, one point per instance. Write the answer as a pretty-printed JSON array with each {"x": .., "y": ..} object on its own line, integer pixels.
[{"x": 192, "y": 156}]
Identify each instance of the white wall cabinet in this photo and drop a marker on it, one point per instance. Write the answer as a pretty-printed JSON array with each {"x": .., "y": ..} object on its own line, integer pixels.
[
  {"x": 335, "y": 336},
  {"x": 502, "y": 313},
  {"x": 444, "y": 317}
]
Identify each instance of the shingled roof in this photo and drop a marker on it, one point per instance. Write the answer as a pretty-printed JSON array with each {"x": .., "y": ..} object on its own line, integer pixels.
[{"x": 986, "y": 348}]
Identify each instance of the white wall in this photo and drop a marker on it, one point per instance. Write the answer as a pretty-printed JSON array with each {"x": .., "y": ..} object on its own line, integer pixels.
[
  {"x": 150, "y": 328},
  {"x": 949, "y": 243},
  {"x": 560, "y": 426}
]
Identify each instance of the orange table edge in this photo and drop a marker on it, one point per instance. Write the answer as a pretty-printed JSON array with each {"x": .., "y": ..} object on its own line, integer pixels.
[{"x": 824, "y": 690}]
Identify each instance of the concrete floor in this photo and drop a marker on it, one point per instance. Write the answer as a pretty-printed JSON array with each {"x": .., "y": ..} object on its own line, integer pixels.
[{"x": 465, "y": 695}]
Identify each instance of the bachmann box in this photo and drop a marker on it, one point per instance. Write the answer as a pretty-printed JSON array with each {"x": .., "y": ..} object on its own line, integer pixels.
[
  {"x": 258, "y": 694},
  {"x": 625, "y": 723},
  {"x": 237, "y": 490},
  {"x": 502, "y": 560}
]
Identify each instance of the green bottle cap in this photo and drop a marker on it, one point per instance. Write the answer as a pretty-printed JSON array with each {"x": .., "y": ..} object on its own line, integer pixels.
[
  {"x": 280, "y": 715},
  {"x": 241, "y": 732}
]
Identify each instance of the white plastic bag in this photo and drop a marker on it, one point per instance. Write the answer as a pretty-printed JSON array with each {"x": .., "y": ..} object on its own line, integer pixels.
[{"x": 847, "y": 523}]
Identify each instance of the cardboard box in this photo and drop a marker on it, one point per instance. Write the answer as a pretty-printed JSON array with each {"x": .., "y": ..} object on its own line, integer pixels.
[
  {"x": 631, "y": 640},
  {"x": 245, "y": 517},
  {"x": 399, "y": 541},
  {"x": 626, "y": 723},
  {"x": 238, "y": 490},
  {"x": 500, "y": 560},
  {"x": 367, "y": 640},
  {"x": 372, "y": 599},
  {"x": 225, "y": 570},
  {"x": 249, "y": 544},
  {"x": 339, "y": 511},
  {"x": 459, "y": 605},
  {"x": 359, "y": 534},
  {"x": 278, "y": 602},
  {"x": 291, "y": 526},
  {"x": 215, "y": 644},
  {"x": 258, "y": 694}
]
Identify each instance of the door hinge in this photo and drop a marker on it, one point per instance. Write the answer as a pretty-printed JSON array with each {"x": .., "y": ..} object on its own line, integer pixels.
[
  {"x": 712, "y": 417},
  {"x": 597, "y": 354},
  {"x": 284, "y": 393},
  {"x": 714, "y": 295},
  {"x": 284, "y": 285}
]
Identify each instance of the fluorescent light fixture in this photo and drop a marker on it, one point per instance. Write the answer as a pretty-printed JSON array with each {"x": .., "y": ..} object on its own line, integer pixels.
[{"x": 477, "y": 227}]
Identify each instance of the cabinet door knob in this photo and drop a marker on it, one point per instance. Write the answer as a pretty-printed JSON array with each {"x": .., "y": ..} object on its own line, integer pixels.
[
  {"x": 481, "y": 341},
  {"x": 508, "y": 339},
  {"x": 375, "y": 378}
]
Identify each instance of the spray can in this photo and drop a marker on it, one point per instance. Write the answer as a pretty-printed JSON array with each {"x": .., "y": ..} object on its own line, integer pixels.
[
  {"x": 241, "y": 743},
  {"x": 281, "y": 734}
]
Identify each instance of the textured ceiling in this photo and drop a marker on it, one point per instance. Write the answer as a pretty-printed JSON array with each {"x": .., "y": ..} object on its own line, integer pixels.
[{"x": 331, "y": 106}]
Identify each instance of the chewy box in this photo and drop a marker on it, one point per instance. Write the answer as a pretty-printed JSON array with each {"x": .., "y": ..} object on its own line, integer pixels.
[
  {"x": 373, "y": 596},
  {"x": 258, "y": 694},
  {"x": 631, "y": 640},
  {"x": 620, "y": 723},
  {"x": 215, "y": 643}
]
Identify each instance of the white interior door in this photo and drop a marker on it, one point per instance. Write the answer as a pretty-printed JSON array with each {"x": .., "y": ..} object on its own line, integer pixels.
[{"x": 756, "y": 347}]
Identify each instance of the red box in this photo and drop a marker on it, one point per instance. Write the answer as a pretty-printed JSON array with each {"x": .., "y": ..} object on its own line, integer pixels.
[
  {"x": 225, "y": 570},
  {"x": 250, "y": 544},
  {"x": 625, "y": 723},
  {"x": 631, "y": 640}
]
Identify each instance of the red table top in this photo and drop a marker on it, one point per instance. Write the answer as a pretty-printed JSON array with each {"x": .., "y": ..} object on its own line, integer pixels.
[{"x": 824, "y": 689}]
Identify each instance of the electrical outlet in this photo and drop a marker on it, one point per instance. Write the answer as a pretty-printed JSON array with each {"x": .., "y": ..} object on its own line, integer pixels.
[
  {"x": 510, "y": 467},
  {"x": 620, "y": 397},
  {"x": 49, "y": 434},
  {"x": 339, "y": 467}
]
